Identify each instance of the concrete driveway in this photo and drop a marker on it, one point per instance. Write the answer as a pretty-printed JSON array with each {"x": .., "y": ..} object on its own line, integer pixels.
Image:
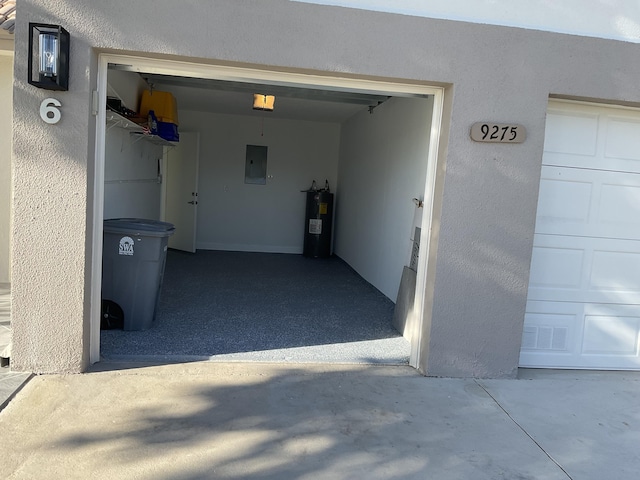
[{"x": 264, "y": 421}]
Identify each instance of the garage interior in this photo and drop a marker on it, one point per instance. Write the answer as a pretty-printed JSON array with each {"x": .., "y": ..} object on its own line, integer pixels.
[{"x": 236, "y": 285}]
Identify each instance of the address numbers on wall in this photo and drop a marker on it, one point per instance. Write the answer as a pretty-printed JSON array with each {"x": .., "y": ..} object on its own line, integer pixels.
[
  {"x": 50, "y": 111},
  {"x": 498, "y": 132}
]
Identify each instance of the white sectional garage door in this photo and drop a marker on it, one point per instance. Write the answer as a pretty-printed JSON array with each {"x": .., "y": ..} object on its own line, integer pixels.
[{"x": 583, "y": 306}]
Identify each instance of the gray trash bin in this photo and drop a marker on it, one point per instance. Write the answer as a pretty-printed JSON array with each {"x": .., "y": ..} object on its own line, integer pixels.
[{"x": 133, "y": 259}]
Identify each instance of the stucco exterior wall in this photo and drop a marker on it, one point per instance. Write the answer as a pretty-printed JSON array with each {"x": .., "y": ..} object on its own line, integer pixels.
[
  {"x": 489, "y": 191},
  {"x": 6, "y": 112}
]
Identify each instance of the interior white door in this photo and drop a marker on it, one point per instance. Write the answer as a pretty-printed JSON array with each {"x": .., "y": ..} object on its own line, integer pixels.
[
  {"x": 583, "y": 308},
  {"x": 181, "y": 200}
]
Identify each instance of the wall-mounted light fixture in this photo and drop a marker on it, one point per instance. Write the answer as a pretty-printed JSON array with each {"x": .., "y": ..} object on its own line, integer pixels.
[
  {"x": 263, "y": 102},
  {"x": 48, "y": 56}
]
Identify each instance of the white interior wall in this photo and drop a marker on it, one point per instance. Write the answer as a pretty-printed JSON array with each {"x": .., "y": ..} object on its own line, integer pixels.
[
  {"x": 127, "y": 86},
  {"x": 132, "y": 188},
  {"x": 6, "y": 109},
  {"x": 383, "y": 162},
  {"x": 233, "y": 215}
]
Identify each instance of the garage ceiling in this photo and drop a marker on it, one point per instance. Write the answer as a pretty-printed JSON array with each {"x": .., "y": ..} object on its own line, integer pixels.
[{"x": 236, "y": 98}]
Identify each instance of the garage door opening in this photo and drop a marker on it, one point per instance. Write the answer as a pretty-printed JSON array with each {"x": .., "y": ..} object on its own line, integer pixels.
[{"x": 370, "y": 146}]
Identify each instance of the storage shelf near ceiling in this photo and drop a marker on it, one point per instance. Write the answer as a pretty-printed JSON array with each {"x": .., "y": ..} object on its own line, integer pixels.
[{"x": 136, "y": 131}]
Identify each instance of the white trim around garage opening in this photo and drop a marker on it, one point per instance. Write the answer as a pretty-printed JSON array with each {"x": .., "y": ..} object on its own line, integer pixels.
[{"x": 254, "y": 75}]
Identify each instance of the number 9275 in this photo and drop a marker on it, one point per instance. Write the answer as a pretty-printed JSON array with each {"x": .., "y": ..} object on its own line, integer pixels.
[{"x": 498, "y": 132}]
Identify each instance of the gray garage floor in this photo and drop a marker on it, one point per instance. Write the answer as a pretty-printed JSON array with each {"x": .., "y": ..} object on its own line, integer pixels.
[{"x": 224, "y": 306}]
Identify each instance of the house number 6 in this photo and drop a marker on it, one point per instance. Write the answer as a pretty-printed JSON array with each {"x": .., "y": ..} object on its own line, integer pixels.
[{"x": 49, "y": 111}]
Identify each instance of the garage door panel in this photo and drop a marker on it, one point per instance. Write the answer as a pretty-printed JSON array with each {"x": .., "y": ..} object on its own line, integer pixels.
[
  {"x": 619, "y": 204},
  {"x": 578, "y": 335},
  {"x": 610, "y": 335},
  {"x": 601, "y": 140},
  {"x": 584, "y": 269},
  {"x": 622, "y": 139},
  {"x": 551, "y": 329},
  {"x": 563, "y": 200},
  {"x": 616, "y": 274},
  {"x": 554, "y": 267},
  {"x": 582, "y": 202},
  {"x": 542, "y": 359},
  {"x": 571, "y": 133}
]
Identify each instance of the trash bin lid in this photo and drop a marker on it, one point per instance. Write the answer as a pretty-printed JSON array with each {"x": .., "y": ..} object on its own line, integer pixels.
[{"x": 139, "y": 226}]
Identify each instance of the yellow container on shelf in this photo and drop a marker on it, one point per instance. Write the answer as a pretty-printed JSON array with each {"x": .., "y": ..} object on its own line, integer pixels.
[{"x": 163, "y": 105}]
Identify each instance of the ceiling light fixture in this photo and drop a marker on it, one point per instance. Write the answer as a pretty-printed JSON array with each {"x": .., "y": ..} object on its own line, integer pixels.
[{"x": 263, "y": 102}]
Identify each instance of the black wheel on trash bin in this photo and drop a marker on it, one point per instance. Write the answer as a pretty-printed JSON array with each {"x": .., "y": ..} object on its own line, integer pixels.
[{"x": 112, "y": 316}]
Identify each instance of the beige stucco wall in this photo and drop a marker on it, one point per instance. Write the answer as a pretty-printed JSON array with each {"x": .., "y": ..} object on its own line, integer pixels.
[
  {"x": 6, "y": 109},
  {"x": 487, "y": 192},
  {"x": 50, "y": 179}
]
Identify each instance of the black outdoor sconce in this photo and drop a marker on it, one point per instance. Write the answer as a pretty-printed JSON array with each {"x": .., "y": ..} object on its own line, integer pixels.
[{"x": 48, "y": 56}]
